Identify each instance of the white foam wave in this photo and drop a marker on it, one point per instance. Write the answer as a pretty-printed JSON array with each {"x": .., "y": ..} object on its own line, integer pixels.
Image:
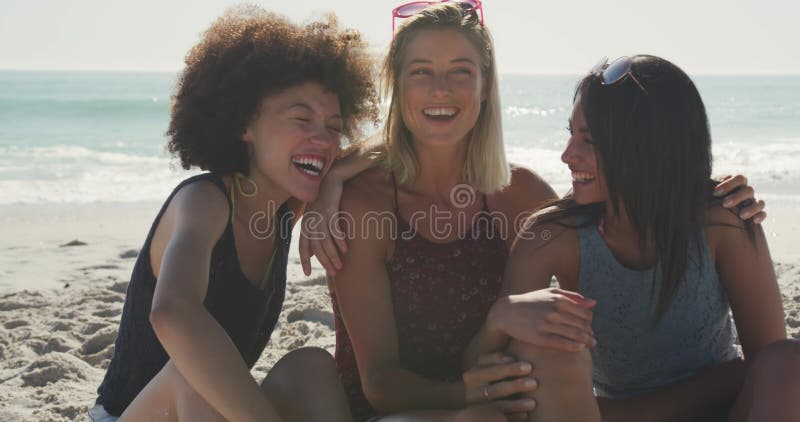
[{"x": 78, "y": 174}]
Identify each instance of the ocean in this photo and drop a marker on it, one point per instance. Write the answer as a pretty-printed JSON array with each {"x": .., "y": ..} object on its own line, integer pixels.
[{"x": 99, "y": 136}]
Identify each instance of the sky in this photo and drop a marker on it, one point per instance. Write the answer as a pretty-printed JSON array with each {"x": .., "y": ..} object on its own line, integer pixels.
[{"x": 535, "y": 37}]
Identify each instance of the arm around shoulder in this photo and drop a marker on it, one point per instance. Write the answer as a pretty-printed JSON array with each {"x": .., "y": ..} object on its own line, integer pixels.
[{"x": 748, "y": 276}]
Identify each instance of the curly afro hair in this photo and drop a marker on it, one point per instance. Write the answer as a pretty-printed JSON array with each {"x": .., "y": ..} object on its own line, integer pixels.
[{"x": 247, "y": 54}]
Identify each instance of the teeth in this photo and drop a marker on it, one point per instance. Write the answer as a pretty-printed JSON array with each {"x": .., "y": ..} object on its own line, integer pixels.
[
  {"x": 309, "y": 171},
  {"x": 440, "y": 111},
  {"x": 317, "y": 164},
  {"x": 579, "y": 176}
]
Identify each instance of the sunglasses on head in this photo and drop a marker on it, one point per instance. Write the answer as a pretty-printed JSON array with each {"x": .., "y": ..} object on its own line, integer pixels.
[
  {"x": 410, "y": 9},
  {"x": 618, "y": 70}
]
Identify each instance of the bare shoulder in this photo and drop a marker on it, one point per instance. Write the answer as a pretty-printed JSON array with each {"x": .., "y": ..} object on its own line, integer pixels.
[
  {"x": 718, "y": 215},
  {"x": 722, "y": 225},
  {"x": 371, "y": 190},
  {"x": 201, "y": 203},
  {"x": 543, "y": 250},
  {"x": 551, "y": 238},
  {"x": 198, "y": 212},
  {"x": 526, "y": 192},
  {"x": 525, "y": 180},
  {"x": 726, "y": 233}
]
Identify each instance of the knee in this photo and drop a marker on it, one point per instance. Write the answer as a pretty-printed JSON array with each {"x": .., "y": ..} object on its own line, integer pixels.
[
  {"x": 479, "y": 414},
  {"x": 564, "y": 365},
  {"x": 301, "y": 364},
  {"x": 781, "y": 357}
]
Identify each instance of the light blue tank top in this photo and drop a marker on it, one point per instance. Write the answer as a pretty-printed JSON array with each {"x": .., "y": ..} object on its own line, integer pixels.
[{"x": 633, "y": 356}]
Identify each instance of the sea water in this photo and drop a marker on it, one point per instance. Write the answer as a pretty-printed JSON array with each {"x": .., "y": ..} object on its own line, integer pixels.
[{"x": 100, "y": 136}]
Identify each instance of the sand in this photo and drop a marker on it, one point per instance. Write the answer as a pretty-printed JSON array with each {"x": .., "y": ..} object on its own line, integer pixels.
[{"x": 60, "y": 305}]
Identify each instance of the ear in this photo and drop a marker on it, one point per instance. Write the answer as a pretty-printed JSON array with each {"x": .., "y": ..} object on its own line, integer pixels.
[{"x": 248, "y": 135}]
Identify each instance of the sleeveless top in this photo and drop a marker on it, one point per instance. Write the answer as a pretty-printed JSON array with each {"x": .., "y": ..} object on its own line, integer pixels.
[
  {"x": 247, "y": 313},
  {"x": 441, "y": 295},
  {"x": 633, "y": 355}
]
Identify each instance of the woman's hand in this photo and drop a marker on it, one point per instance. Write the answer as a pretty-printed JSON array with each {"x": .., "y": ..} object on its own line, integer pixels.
[
  {"x": 738, "y": 194},
  {"x": 320, "y": 234},
  {"x": 496, "y": 379},
  {"x": 553, "y": 318}
]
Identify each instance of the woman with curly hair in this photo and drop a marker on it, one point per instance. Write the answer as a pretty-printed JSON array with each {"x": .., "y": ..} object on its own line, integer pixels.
[{"x": 261, "y": 105}]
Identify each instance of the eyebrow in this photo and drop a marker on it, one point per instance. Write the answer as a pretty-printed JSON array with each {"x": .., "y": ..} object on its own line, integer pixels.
[
  {"x": 584, "y": 129},
  {"x": 308, "y": 108},
  {"x": 456, "y": 60}
]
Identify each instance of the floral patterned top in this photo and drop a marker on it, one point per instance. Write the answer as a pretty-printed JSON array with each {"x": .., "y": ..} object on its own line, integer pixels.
[{"x": 441, "y": 294}]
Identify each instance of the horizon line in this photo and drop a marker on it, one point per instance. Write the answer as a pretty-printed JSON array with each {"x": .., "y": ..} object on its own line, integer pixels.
[{"x": 510, "y": 73}]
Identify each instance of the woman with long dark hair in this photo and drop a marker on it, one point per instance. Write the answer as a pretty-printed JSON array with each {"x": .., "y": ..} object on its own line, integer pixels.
[
  {"x": 658, "y": 265},
  {"x": 428, "y": 230}
]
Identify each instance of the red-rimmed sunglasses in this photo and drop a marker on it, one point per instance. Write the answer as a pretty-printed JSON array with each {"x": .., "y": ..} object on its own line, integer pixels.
[{"x": 410, "y": 9}]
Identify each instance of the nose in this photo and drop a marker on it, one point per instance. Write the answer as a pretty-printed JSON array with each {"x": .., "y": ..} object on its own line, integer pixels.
[
  {"x": 324, "y": 137},
  {"x": 440, "y": 85},
  {"x": 570, "y": 154}
]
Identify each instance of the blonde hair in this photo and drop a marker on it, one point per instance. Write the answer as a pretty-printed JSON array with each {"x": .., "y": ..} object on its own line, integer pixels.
[{"x": 485, "y": 167}]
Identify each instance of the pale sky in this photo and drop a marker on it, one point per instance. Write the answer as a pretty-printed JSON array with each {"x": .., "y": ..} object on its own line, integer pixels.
[{"x": 564, "y": 37}]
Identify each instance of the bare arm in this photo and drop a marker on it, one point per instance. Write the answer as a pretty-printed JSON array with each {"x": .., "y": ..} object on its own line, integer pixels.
[
  {"x": 363, "y": 293},
  {"x": 528, "y": 310},
  {"x": 320, "y": 234},
  {"x": 747, "y": 275},
  {"x": 194, "y": 340}
]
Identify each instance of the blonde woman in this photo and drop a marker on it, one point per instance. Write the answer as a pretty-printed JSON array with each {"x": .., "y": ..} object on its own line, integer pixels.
[{"x": 418, "y": 259}]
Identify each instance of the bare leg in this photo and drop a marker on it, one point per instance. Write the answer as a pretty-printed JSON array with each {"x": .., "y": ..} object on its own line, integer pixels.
[
  {"x": 772, "y": 387},
  {"x": 470, "y": 414},
  {"x": 304, "y": 386},
  {"x": 565, "y": 390},
  {"x": 167, "y": 398}
]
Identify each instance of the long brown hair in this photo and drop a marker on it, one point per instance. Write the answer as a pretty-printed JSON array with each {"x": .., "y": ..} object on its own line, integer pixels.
[{"x": 654, "y": 149}]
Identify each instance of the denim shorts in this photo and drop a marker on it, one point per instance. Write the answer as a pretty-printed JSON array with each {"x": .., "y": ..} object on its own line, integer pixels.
[{"x": 98, "y": 414}]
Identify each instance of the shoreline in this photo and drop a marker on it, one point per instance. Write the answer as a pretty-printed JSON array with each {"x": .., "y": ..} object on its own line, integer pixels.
[{"x": 60, "y": 306}]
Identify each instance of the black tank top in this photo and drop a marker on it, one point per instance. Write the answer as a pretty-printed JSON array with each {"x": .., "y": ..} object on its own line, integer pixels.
[{"x": 247, "y": 313}]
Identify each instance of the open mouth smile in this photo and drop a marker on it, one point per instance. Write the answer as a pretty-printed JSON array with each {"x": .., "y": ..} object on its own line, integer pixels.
[
  {"x": 440, "y": 114},
  {"x": 311, "y": 165}
]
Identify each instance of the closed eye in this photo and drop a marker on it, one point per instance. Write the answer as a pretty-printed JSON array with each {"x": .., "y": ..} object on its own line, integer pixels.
[{"x": 421, "y": 71}]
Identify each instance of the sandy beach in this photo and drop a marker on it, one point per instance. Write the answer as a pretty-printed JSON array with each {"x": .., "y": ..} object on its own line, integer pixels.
[{"x": 63, "y": 274}]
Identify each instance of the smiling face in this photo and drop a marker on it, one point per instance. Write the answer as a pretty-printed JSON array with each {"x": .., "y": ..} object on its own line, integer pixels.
[
  {"x": 295, "y": 137},
  {"x": 441, "y": 86},
  {"x": 588, "y": 181}
]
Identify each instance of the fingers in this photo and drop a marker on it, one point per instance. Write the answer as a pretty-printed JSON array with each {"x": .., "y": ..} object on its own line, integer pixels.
[
  {"x": 739, "y": 197},
  {"x": 557, "y": 342},
  {"x": 569, "y": 306},
  {"x": 572, "y": 321},
  {"x": 490, "y": 374},
  {"x": 522, "y": 416},
  {"x": 752, "y": 211},
  {"x": 729, "y": 183},
  {"x": 503, "y": 389},
  {"x": 516, "y": 409},
  {"x": 305, "y": 255},
  {"x": 576, "y": 335},
  {"x": 338, "y": 237},
  {"x": 760, "y": 217},
  {"x": 577, "y": 298},
  {"x": 497, "y": 358},
  {"x": 330, "y": 250},
  {"x": 322, "y": 257}
]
